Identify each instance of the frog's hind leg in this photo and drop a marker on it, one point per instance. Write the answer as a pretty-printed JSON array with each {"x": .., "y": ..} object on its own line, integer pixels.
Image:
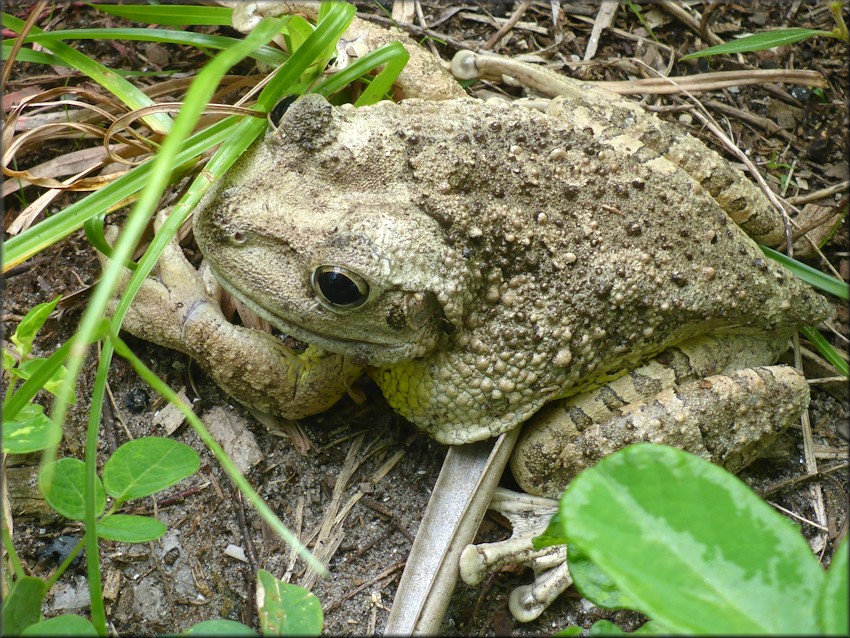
[{"x": 693, "y": 396}]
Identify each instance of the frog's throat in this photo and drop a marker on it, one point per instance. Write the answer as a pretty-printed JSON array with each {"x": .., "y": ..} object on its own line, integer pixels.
[{"x": 362, "y": 351}]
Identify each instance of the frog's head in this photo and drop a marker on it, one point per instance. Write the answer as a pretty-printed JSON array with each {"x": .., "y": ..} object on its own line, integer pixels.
[{"x": 315, "y": 233}]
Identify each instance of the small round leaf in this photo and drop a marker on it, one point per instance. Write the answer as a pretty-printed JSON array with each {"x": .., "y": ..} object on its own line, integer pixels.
[
  {"x": 64, "y": 625},
  {"x": 220, "y": 627},
  {"x": 66, "y": 491},
  {"x": 285, "y": 609},
  {"x": 30, "y": 431},
  {"x": 129, "y": 528},
  {"x": 147, "y": 465}
]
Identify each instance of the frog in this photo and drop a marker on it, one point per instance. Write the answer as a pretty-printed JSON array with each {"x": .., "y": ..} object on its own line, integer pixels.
[{"x": 576, "y": 267}]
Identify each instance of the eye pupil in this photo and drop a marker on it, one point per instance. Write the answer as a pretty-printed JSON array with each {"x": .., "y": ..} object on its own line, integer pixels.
[
  {"x": 339, "y": 288},
  {"x": 280, "y": 109}
]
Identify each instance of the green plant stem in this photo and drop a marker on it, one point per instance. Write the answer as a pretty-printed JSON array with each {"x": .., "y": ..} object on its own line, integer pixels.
[
  {"x": 98, "y": 611},
  {"x": 840, "y": 30},
  {"x": 196, "y": 99},
  {"x": 243, "y": 134},
  {"x": 9, "y": 545},
  {"x": 10, "y": 390}
]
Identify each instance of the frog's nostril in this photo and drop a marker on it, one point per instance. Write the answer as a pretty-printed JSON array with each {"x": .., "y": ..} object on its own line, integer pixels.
[{"x": 239, "y": 237}]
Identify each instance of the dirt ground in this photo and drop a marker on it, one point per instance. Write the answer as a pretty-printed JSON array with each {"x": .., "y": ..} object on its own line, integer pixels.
[{"x": 322, "y": 464}]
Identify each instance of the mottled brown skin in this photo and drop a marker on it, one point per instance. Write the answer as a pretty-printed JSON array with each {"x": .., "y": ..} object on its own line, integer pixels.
[{"x": 512, "y": 257}]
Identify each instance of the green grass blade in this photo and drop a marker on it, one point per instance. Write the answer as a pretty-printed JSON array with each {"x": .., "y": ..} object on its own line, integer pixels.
[
  {"x": 825, "y": 348},
  {"x": 39, "y": 57},
  {"x": 759, "y": 42},
  {"x": 160, "y": 173},
  {"x": 28, "y": 55},
  {"x": 181, "y": 14},
  {"x": 115, "y": 84},
  {"x": 265, "y": 53},
  {"x": 810, "y": 275},
  {"x": 338, "y": 17},
  {"x": 326, "y": 34},
  {"x": 48, "y": 232},
  {"x": 393, "y": 55},
  {"x": 196, "y": 100}
]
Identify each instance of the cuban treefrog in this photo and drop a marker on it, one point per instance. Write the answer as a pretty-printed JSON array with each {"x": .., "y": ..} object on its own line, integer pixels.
[{"x": 483, "y": 260}]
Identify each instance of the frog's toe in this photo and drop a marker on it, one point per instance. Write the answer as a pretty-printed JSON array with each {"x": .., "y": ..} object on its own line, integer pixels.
[
  {"x": 527, "y": 602},
  {"x": 529, "y": 516}
]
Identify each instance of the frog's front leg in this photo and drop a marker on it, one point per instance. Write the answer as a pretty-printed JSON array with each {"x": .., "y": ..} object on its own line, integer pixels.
[
  {"x": 693, "y": 396},
  {"x": 180, "y": 309}
]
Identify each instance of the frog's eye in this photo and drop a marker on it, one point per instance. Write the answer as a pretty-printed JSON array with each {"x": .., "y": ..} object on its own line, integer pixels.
[
  {"x": 280, "y": 108},
  {"x": 339, "y": 288}
]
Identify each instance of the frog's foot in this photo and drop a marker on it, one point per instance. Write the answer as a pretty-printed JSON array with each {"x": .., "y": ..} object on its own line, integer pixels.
[
  {"x": 529, "y": 516},
  {"x": 708, "y": 395},
  {"x": 179, "y": 309}
]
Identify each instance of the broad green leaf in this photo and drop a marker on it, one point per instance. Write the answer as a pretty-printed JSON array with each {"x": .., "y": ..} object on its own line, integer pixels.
[
  {"x": 22, "y": 607},
  {"x": 64, "y": 625},
  {"x": 129, "y": 528},
  {"x": 31, "y": 324},
  {"x": 31, "y": 430},
  {"x": 219, "y": 627},
  {"x": 593, "y": 583},
  {"x": 760, "y": 42},
  {"x": 833, "y": 609},
  {"x": 653, "y": 628},
  {"x": 147, "y": 465},
  {"x": 67, "y": 490},
  {"x": 285, "y": 609},
  {"x": 692, "y": 545}
]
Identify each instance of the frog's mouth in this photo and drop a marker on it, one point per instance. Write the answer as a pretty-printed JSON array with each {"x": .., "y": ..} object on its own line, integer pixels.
[{"x": 361, "y": 351}]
